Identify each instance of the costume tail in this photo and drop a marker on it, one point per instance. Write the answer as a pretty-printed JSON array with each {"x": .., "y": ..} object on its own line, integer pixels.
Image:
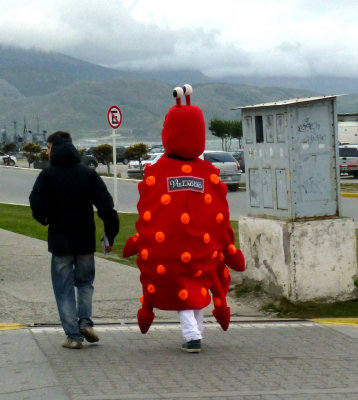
[
  {"x": 222, "y": 315},
  {"x": 221, "y": 311},
  {"x": 145, "y": 316}
]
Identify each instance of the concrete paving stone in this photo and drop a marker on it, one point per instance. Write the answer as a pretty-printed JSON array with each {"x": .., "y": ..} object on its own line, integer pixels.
[
  {"x": 245, "y": 363},
  {"x": 26, "y": 374},
  {"x": 252, "y": 360}
]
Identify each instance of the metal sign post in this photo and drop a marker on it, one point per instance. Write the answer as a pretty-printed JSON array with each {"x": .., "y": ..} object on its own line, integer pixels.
[{"x": 114, "y": 117}]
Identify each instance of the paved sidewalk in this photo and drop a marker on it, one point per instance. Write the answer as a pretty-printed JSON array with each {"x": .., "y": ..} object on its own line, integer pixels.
[
  {"x": 253, "y": 360},
  {"x": 26, "y": 294}
]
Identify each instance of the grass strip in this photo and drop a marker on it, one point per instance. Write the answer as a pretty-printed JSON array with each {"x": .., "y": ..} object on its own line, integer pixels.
[
  {"x": 18, "y": 219},
  {"x": 311, "y": 309}
]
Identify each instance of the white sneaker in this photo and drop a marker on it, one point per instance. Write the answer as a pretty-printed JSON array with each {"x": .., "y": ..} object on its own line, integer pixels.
[{"x": 71, "y": 344}]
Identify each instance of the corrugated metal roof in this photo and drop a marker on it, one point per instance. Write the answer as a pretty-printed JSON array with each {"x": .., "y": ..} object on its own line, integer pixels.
[{"x": 282, "y": 103}]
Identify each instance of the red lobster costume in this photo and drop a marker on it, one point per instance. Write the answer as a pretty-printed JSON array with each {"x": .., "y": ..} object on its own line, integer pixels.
[{"x": 184, "y": 241}]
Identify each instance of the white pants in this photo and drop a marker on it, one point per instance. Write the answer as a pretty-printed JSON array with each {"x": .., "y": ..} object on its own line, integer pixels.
[{"x": 191, "y": 322}]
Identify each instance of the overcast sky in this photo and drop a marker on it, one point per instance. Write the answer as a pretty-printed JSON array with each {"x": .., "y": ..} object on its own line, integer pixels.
[{"x": 217, "y": 37}]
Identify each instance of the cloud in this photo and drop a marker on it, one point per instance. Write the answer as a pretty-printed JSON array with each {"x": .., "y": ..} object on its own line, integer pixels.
[{"x": 272, "y": 37}]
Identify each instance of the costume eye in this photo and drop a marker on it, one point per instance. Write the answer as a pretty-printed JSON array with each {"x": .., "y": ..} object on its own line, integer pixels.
[
  {"x": 188, "y": 90},
  {"x": 178, "y": 92}
]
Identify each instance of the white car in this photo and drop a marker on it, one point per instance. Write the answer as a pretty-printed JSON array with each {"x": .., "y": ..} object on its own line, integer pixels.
[
  {"x": 5, "y": 159},
  {"x": 348, "y": 159},
  {"x": 134, "y": 167},
  {"x": 228, "y": 166}
]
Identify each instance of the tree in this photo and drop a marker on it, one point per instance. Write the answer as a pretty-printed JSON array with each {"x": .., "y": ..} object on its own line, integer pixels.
[
  {"x": 82, "y": 151},
  {"x": 226, "y": 131},
  {"x": 138, "y": 151},
  {"x": 31, "y": 152},
  {"x": 9, "y": 148},
  {"x": 104, "y": 154}
]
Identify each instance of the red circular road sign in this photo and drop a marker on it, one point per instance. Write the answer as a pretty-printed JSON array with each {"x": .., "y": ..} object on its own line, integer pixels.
[{"x": 114, "y": 117}]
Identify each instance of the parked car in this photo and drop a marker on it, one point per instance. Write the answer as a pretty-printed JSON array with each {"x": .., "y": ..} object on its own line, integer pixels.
[
  {"x": 6, "y": 159},
  {"x": 228, "y": 166},
  {"x": 89, "y": 161},
  {"x": 120, "y": 150},
  {"x": 348, "y": 159},
  {"x": 156, "y": 148},
  {"x": 239, "y": 156},
  {"x": 134, "y": 167},
  {"x": 119, "y": 155},
  {"x": 86, "y": 159}
]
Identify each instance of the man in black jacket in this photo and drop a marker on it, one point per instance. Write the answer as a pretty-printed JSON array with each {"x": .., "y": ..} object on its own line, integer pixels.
[{"x": 63, "y": 197}]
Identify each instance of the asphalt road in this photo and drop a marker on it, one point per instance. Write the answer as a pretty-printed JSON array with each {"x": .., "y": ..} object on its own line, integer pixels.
[{"x": 16, "y": 185}]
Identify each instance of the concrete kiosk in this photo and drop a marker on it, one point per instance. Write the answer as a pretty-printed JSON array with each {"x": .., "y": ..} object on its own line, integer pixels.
[{"x": 294, "y": 239}]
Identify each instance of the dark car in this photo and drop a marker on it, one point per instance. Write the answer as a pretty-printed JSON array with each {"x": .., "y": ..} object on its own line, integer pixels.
[
  {"x": 86, "y": 159},
  {"x": 89, "y": 161},
  {"x": 239, "y": 156},
  {"x": 121, "y": 155}
]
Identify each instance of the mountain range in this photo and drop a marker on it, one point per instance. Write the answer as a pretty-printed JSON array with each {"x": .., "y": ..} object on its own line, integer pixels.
[{"x": 51, "y": 91}]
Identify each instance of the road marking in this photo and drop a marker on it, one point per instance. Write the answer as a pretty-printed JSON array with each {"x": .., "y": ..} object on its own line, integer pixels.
[
  {"x": 337, "y": 321},
  {"x": 8, "y": 327},
  {"x": 348, "y": 194},
  {"x": 162, "y": 327}
]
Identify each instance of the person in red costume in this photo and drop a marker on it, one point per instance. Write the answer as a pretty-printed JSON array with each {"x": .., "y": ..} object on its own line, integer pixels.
[{"x": 185, "y": 241}]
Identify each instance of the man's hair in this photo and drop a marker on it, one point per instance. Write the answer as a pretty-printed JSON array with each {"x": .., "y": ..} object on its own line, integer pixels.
[{"x": 63, "y": 135}]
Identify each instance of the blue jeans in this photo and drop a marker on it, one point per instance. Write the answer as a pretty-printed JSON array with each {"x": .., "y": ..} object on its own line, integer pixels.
[{"x": 68, "y": 272}]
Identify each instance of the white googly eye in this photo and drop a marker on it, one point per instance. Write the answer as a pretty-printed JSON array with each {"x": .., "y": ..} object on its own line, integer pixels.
[
  {"x": 188, "y": 90},
  {"x": 178, "y": 92}
]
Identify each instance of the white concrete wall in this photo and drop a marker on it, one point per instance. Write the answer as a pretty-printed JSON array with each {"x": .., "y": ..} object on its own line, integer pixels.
[{"x": 310, "y": 260}]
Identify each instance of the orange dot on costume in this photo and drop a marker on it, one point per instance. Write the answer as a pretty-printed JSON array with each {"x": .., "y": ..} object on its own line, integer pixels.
[
  {"x": 226, "y": 272},
  {"x": 206, "y": 238},
  {"x": 208, "y": 199},
  {"x": 185, "y": 257},
  {"x": 151, "y": 288},
  {"x": 204, "y": 292},
  {"x": 231, "y": 249},
  {"x": 221, "y": 256},
  {"x": 141, "y": 299},
  {"x": 135, "y": 237},
  {"x": 214, "y": 179},
  {"x": 159, "y": 237},
  {"x": 217, "y": 301},
  {"x": 186, "y": 168},
  {"x": 144, "y": 254},
  {"x": 183, "y": 294},
  {"x": 150, "y": 180},
  {"x": 165, "y": 199},
  {"x": 214, "y": 255},
  {"x": 185, "y": 218},
  {"x": 198, "y": 273},
  {"x": 147, "y": 216},
  {"x": 219, "y": 218},
  {"x": 161, "y": 270}
]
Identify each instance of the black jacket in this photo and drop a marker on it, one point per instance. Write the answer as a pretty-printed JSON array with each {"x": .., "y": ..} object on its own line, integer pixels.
[{"x": 63, "y": 197}]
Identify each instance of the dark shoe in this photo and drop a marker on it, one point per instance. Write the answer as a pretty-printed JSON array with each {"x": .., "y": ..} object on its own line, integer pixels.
[
  {"x": 90, "y": 334},
  {"x": 71, "y": 344},
  {"x": 193, "y": 346}
]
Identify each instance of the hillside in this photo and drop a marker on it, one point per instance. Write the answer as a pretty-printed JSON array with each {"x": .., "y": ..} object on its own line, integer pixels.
[
  {"x": 64, "y": 93},
  {"x": 82, "y": 107}
]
